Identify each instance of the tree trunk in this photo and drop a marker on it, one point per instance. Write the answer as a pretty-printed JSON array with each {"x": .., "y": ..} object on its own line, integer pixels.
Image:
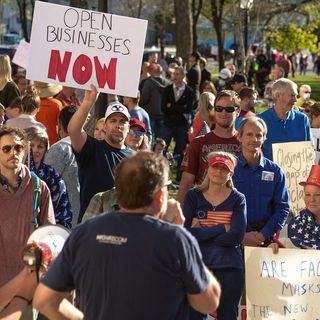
[
  {"x": 196, "y": 10},
  {"x": 183, "y": 15},
  {"x": 217, "y": 12}
]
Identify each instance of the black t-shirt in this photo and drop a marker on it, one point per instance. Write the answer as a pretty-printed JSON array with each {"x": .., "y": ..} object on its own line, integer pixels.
[
  {"x": 129, "y": 266},
  {"x": 96, "y": 162}
]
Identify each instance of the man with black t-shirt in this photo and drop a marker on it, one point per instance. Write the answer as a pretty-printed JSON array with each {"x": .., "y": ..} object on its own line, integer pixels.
[
  {"x": 130, "y": 264},
  {"x": 96, "y": 159}
]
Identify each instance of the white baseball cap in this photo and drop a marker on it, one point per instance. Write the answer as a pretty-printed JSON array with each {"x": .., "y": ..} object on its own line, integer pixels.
[
  {"x": 225, "y": 74},
  {"x": 117, "y": 108}
]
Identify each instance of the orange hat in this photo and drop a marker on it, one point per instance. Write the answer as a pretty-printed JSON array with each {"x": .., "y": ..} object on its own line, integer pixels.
[
  {"x": 314, "y": 177},
  {"x": 227, "y": 162}
]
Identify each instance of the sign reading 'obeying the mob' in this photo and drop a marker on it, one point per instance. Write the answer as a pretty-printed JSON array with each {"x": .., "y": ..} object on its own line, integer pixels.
[{"x": 77, "y": 47}]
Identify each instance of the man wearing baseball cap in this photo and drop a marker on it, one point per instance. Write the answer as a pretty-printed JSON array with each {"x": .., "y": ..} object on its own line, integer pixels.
[{"x": 96, "y": 159}]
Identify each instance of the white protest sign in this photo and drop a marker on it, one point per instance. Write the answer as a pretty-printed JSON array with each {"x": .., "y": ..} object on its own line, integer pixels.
[
  {"x": 21, "y": 57},
  {"x": 284, "y": 285},
  {"x": 316, "y": 143},
  {"x": 295, "y": 159},
  {"x": 77, "y": 47}
]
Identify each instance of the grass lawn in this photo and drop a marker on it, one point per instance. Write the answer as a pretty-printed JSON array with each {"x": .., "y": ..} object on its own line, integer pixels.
[{"x": 312, "y": 81}]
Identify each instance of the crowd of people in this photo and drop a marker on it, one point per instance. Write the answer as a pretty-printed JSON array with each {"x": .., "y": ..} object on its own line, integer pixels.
[{"x": 133, "y": 252}]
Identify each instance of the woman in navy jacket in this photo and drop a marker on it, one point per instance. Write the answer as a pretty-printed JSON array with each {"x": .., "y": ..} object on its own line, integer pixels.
[{"x": 215, "y": 214}]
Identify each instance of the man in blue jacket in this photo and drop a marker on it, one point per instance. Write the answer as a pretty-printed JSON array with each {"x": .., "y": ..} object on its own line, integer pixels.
[{"x": 262, "y": 182}]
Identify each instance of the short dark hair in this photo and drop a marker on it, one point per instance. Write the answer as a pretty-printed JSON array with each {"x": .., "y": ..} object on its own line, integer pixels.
[
  {"x": 4, "y": 131},
  {"x": 247, "y": 92},
  {"x": 65, "y": 116},
  {"x": 138, "y": 176},
  {"x": 196, "y": 55},
  {"x": 239, "y": 77},
  {"x": 229, "y": 94},
  {"x": 315, "y": 109}
]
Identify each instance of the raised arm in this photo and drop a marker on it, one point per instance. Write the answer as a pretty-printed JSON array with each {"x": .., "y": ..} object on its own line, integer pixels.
[{"x": 75, "y": 128}]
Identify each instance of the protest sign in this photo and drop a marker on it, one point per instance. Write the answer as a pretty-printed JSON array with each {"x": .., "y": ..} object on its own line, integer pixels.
[
  {"x": 316, "y": 143},
  {"x": 78, "y": 47},
  {"x": 295, "y": 159},
  {"x": 21, "y": 56},
  {"x": 284, "y": 285}
]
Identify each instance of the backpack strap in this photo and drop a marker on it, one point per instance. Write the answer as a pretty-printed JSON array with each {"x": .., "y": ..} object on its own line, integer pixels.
[{"x": 36, "y": 198}]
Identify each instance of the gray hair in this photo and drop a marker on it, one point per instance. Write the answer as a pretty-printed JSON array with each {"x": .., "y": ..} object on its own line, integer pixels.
[{"x": 281, "y": 86}]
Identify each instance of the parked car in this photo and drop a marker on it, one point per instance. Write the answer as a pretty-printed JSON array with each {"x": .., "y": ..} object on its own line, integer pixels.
[{"x": 208, "y": 50}]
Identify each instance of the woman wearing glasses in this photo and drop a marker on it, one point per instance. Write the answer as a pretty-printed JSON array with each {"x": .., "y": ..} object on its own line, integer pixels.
[
  {"x": 215, "y": 214},
  {"x": 137, "y": 138}
]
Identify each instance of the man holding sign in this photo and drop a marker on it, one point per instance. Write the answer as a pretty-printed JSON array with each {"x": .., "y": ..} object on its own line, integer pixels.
[
  {"x": 263, "y": 183},
  {"x": 96, "y": 159},
  {"x": 284, "y": 123}
]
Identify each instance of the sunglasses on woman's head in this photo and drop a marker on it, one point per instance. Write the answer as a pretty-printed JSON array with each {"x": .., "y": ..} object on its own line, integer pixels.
[{"x": 17, "y": 148}]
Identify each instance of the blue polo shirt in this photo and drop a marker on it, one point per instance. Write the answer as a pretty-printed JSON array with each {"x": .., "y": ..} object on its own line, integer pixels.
[
  {"x": 295, "y": 128},
  {"x": 266, "y": 193}
]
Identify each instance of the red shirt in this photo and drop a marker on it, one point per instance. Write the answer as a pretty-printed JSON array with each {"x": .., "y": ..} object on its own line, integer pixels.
[{"x": 195, "y": 158}]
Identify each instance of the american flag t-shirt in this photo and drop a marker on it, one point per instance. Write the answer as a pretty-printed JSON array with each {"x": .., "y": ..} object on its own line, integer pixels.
[{"x": 213, "y": 218}]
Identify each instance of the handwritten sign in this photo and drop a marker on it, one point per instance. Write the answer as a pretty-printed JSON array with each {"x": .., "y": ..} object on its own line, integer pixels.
[
  {"x": 77, "y": 47},
  {"x": 21, "y": 57},
  {"x": 316, "y": 143},
  {"x": 295, "y": 159},
  {"x": 284, "y": 285}
]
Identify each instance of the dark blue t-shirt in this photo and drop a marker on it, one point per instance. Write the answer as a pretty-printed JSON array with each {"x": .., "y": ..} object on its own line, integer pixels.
[
  {"x": 129, "y": 266},
  {"x": 96, "y": 162}
]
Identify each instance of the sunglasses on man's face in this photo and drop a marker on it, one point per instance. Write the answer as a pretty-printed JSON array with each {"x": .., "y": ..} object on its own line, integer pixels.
[
  {"x": 16, "y": 147},
  {"x": 229, "y": 109},
  {"x": 138, "y": 133}
]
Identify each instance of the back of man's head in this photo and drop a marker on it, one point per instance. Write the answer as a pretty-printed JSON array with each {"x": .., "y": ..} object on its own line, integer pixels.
[
  {"x": 65, "y": 116},
  {"x": 138, "y": 177}
]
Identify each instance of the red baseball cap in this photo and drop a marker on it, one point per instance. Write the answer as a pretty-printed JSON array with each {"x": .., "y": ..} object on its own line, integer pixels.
[
  {"x": 136, "y": 122},
  {"x": 227, "y": 162}
]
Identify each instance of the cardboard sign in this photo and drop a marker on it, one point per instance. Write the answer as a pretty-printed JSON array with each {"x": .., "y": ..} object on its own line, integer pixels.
[
  {"x": 316, "y": 143},
  {"x": 77, "y": 47},
  {"x": 284, "y": 285},
  {"x": 295, "y": 159},
  {"x": 21, "y": 57}
]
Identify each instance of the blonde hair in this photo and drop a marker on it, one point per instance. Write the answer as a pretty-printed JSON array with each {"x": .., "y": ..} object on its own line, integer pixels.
[
  {"x": 204, "y": 186},
  {"x": 206, "y": 101},
  {"x": 5, "y": 68}
]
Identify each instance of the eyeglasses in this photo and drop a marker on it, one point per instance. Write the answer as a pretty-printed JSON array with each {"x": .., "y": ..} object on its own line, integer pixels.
[
  {"x": 17, "y": 148},
  {"x": 229, "y": 109},
  {"x": 117, "y": 108},
  {"x": 138, "y": 133}
]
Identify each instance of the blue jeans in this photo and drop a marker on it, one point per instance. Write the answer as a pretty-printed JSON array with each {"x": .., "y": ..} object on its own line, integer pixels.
[{"x": 232, "y": 283}]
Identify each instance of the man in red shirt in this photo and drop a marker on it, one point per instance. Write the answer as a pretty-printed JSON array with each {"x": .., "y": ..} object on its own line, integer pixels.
[{"x": 222, "y": 138}]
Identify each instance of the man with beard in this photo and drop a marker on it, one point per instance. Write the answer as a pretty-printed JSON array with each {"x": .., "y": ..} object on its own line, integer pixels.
[
  {"x": 17, "y": 201},
  {"x": 96, "y": 159},
  {"x": 222, "y": 138}
]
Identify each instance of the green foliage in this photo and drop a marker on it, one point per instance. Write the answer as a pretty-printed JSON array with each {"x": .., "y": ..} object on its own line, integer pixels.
[{"x": 292, "y": 37}]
